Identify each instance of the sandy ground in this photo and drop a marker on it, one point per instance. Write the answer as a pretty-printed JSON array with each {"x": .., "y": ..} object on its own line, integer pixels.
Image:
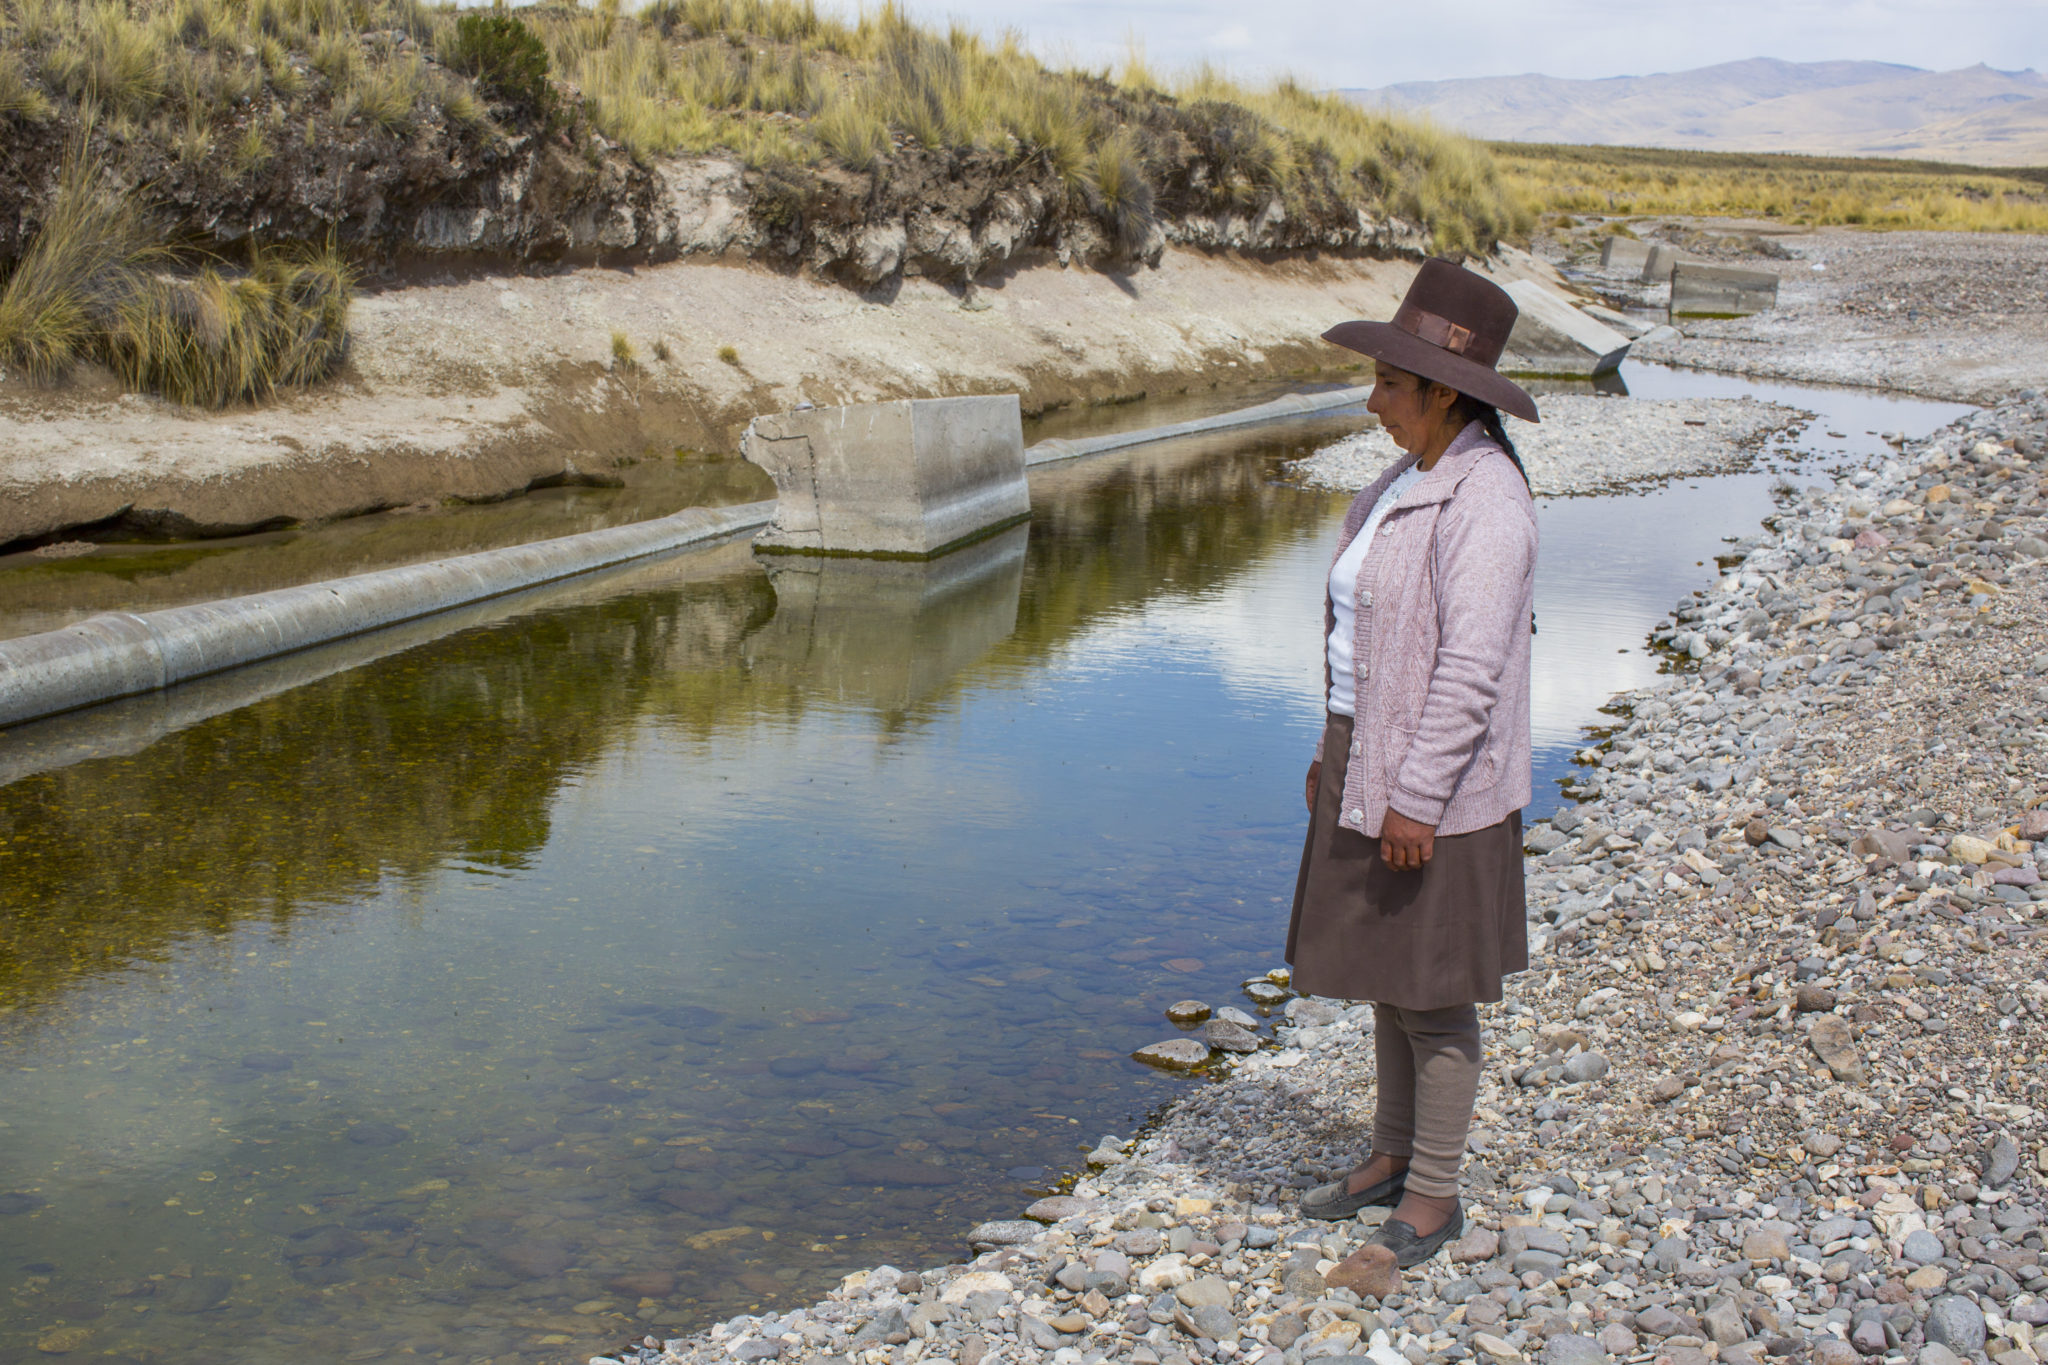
[{"x": 478, "y": 387}]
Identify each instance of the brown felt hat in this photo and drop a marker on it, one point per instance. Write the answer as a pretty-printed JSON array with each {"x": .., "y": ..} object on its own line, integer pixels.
[{"x": 1451, "y": 327}]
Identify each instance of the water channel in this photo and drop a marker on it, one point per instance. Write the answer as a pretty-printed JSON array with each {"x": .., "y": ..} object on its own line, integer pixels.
[{"x": 669, "y": 944}]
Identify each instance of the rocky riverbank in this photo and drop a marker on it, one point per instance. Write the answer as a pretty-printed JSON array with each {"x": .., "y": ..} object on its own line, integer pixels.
[
  {"x": 1950, "y": 315},
  {"x": 1772, "y": 1089},
  {"x": 1590, "y": 443}
]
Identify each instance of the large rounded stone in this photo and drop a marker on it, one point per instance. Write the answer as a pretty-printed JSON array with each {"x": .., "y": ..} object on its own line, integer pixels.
[
  {"x": 1957, "y": 1323},
  {"x": 1175, "y": 1054},
  {"x": 1568, "y": 1348}
]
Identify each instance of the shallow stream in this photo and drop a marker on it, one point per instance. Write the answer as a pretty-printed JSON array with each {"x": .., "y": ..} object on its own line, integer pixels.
[{"x": 671, "y": 945}]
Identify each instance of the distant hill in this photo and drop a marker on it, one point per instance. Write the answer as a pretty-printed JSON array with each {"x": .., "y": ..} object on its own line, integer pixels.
[{"x": 1976, "y": 115}]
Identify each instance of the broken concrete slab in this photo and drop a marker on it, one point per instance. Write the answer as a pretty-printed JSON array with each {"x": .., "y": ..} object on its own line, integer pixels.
[
  {"x": 1552, "y": 337},
  {"x": 1629, "y": 327},
  {"x": 1624, "y": 255},
  {"x": 911, "y": 478},
  {"x": 1715, "y": 291},
  {"x": 1663, "y": 258}
]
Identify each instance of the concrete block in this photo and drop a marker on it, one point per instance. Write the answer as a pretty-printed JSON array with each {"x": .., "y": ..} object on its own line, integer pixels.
[
  {"x": 1552, "y": 336},
  {"x": 1709, "y": 291},
  {"x": 1663, "y": 257},
  {"x": 889, "y": 633},
  {"x": 1624, "y": 255},
  {"x": 912, "y": 477}
]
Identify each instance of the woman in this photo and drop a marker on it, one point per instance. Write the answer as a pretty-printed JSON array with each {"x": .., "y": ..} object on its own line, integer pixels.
[{"x": 1410, "y": 892}]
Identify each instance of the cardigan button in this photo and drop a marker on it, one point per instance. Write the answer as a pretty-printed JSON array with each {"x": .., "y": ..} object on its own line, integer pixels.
[
  {"x": 1358, "y": 815},
  {"x": 1365, "y": 598},
  {"x": 1357, "y": 747}
]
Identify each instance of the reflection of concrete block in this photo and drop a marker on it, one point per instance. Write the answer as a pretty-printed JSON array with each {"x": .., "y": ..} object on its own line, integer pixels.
[
  {"x": 1553, "y": 337},
  {"x": 1624, "y": 254},
  {"x": 1708, "y": 291},
  {"x": 889, "y": 633},
  {"x": 905, "y": 478}
]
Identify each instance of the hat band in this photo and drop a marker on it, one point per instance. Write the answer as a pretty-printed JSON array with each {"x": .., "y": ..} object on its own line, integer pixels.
[{"x": 1437, "y": 331}]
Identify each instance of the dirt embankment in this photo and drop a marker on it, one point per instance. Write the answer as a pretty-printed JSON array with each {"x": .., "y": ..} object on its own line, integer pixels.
[{"x": 477, "y": 386}]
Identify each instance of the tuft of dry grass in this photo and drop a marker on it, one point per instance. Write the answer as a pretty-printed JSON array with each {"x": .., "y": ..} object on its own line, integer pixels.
[
  {"x": 623, "y": 356},
  {"x": 19, "y": 98},
  {"x": 96, "y": 283},
  {"x": 1815, "y": 190}
]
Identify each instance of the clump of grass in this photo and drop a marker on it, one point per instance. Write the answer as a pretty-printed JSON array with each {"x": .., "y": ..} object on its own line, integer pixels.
[
  {"x": 89, "y": 252},
  {"x": 661, "y": 350},
  {"x": 211, "y": 338},
  {"x": 110, "y": 60},
  {"x": 623, "y": 357},
  {"x": 729, "y": 354},
  {"x": 851, "y": 133},
  {"x": 18, "y": 97},
  {"x": 1119, "y": 190},
  {"x": 96, "y": 283}
]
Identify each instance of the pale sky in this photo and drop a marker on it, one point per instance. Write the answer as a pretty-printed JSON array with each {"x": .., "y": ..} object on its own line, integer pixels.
[{"x": 1373, "y": 43}]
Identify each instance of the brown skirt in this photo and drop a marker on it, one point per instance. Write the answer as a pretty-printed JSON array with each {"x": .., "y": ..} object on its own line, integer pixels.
[{"x": 1445, "y": 935}]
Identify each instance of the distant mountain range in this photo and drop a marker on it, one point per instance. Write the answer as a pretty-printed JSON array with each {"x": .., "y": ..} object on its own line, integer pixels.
[{"x": 1976, "y": 115}]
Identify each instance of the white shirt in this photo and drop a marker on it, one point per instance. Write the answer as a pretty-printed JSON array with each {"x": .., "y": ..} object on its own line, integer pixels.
[{"x": 1344, "y": 587}]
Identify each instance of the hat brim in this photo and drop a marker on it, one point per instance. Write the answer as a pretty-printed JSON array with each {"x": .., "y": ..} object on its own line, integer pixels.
[{"x": 1406, "y": 351}]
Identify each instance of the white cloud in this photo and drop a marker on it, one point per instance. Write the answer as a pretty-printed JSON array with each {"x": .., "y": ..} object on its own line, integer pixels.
[{"x": 1236, "y": 38}]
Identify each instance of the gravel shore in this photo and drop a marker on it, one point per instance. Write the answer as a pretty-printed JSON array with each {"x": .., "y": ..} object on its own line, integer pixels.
[
  {"x": 1949, "y": 315},
  {"x": 1592, "y": 443},
  {"x": 1772, "y": 1088}
]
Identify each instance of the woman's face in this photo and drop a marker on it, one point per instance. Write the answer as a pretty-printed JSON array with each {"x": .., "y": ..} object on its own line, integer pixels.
[{"x": 1411, "y": 408}]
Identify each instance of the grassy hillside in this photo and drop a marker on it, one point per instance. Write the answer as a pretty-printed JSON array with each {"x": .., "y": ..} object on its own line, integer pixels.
[
  {"x": 368, "y": 132},
  {"x": 233, "y": 87},
  {"x": 1817, "y": 190}
]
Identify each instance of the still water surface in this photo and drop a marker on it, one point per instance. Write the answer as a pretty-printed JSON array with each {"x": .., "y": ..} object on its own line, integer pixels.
[{"x": 671, "y": 950}]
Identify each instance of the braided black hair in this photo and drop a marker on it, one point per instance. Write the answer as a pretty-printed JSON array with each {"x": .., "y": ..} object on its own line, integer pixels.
[{"x": 1488, "y": 417}]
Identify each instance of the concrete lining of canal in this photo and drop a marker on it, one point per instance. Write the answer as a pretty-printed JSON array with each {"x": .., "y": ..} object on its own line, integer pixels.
[{"x": 125, "y": 654}]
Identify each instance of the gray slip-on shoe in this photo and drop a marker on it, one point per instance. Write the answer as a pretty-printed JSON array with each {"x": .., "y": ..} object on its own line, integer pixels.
[{"x": 1334, "y": 1202}]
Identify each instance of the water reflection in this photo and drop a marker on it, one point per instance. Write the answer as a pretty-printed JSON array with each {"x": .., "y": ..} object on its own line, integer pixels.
[
  {"x": 889, "y": 634},
  {"x": 625, "y": 962}
]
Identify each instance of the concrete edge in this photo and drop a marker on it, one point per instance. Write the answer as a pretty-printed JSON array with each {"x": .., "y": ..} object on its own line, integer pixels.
[
  {"x": 125, "y": 654},
  {"x": 1288, "y": 405},
  {"x": 122, "y": 654}
]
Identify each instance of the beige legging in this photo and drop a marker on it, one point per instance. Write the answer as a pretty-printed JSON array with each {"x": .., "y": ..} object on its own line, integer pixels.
[{"x": 1428, "y": 1083}]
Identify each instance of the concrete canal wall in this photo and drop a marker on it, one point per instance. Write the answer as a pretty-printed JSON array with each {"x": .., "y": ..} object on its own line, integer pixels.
[{"x": 122, "y": 654}]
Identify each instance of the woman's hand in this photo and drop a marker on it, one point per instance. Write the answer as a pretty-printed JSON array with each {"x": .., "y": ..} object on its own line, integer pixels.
[
  {"x": 1315, "y": 779},
  {"x": 1406, "y": 844}
]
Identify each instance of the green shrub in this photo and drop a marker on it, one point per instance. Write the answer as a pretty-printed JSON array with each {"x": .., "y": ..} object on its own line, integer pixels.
[{"x": 505, "y": 56}]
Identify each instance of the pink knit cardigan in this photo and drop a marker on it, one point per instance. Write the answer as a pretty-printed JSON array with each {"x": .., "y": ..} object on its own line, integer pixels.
[{"x": 1446, "y": 605}]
